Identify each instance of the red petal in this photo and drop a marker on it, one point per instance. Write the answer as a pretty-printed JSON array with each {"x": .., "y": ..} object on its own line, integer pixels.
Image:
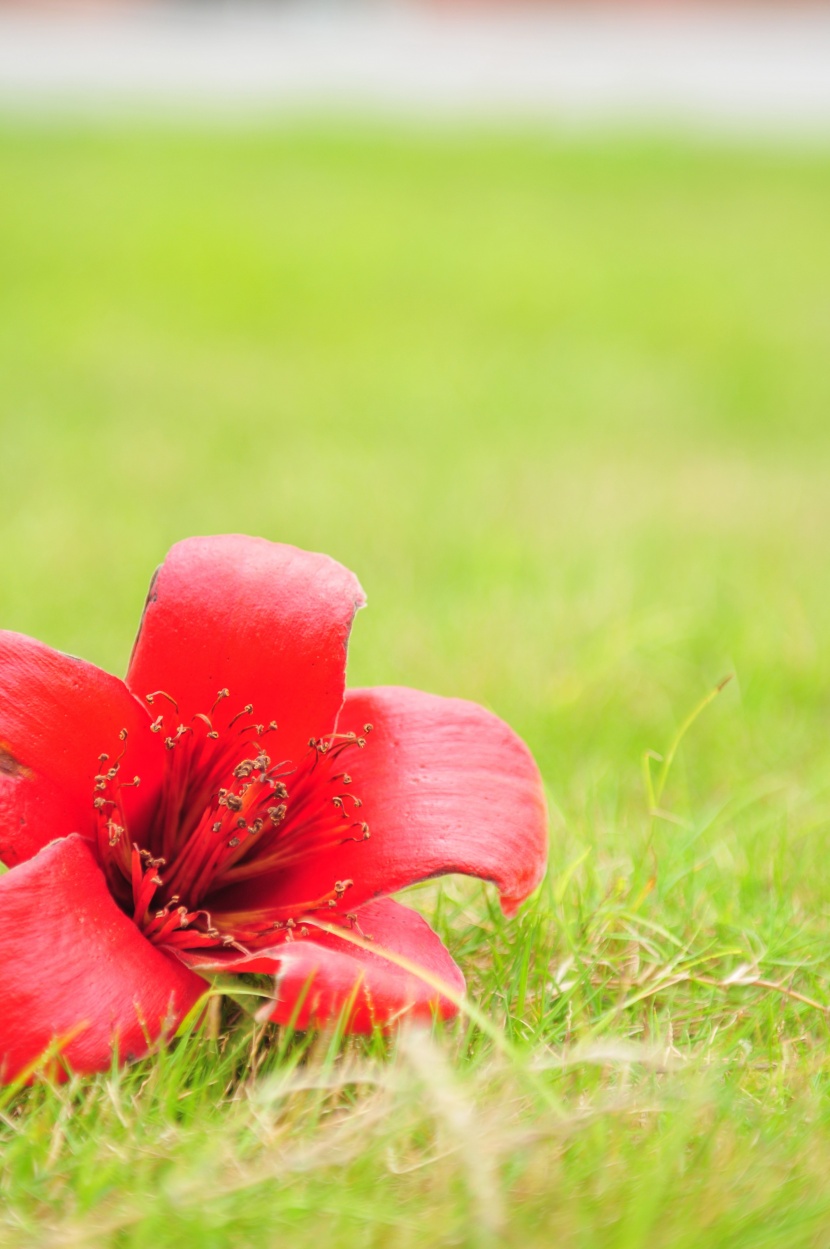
[
  {"x": 268, "y": 622},
  {"x": 74, "y": 966},
  {"x": 328, "y": 973},
  {"x": 446, "y": 787},
  {"x": 57, "y": 714}
]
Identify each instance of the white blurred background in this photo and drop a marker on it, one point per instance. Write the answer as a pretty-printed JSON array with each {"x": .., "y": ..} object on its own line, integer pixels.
[{"x": 727, "y": 66}]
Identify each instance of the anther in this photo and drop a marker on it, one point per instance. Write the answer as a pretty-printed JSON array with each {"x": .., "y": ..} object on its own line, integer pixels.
[
  {"x": 355, "y": 926},
  {"x": 364, "y": 828},
  {"x": 246, "y": 711},
  {"x": 150, "y": 698}
]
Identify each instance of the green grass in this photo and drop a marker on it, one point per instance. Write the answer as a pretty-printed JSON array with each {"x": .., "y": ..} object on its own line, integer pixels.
[{"x": 565, "y": 408}]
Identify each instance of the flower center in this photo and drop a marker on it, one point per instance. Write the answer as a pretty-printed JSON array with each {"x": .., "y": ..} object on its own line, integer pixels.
[{"x": 226, "y": 813}]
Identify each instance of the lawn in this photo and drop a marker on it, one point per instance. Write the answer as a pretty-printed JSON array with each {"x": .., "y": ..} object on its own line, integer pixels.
[{"x": 564, "y": 405}]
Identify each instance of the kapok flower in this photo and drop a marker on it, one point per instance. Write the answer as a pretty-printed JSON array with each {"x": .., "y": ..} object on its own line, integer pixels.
[{"x": 208, "y": 813}]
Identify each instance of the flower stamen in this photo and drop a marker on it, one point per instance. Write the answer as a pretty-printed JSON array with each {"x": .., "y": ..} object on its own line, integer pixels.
[{"x": 208, "y": 836}]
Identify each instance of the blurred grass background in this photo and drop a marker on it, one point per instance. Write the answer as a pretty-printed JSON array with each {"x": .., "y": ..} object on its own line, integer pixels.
[{"x": 564, "y": 405}]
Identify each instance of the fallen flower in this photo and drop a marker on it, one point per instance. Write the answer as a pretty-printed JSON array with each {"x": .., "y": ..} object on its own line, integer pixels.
[{"x": 201, "y": 815}]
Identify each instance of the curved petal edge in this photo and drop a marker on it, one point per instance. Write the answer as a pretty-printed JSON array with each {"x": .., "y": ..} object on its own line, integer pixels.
[
  {"x": 323, "y": 978},
  {"x": 266, "y": 621},
  {"x": 78, "y": 976},
  {"x": 57, "y": 715},
  {"x": 445, "y": 786}
]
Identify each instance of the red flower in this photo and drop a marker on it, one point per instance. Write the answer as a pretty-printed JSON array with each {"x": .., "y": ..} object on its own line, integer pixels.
[{"x": 206, "y": 813}]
